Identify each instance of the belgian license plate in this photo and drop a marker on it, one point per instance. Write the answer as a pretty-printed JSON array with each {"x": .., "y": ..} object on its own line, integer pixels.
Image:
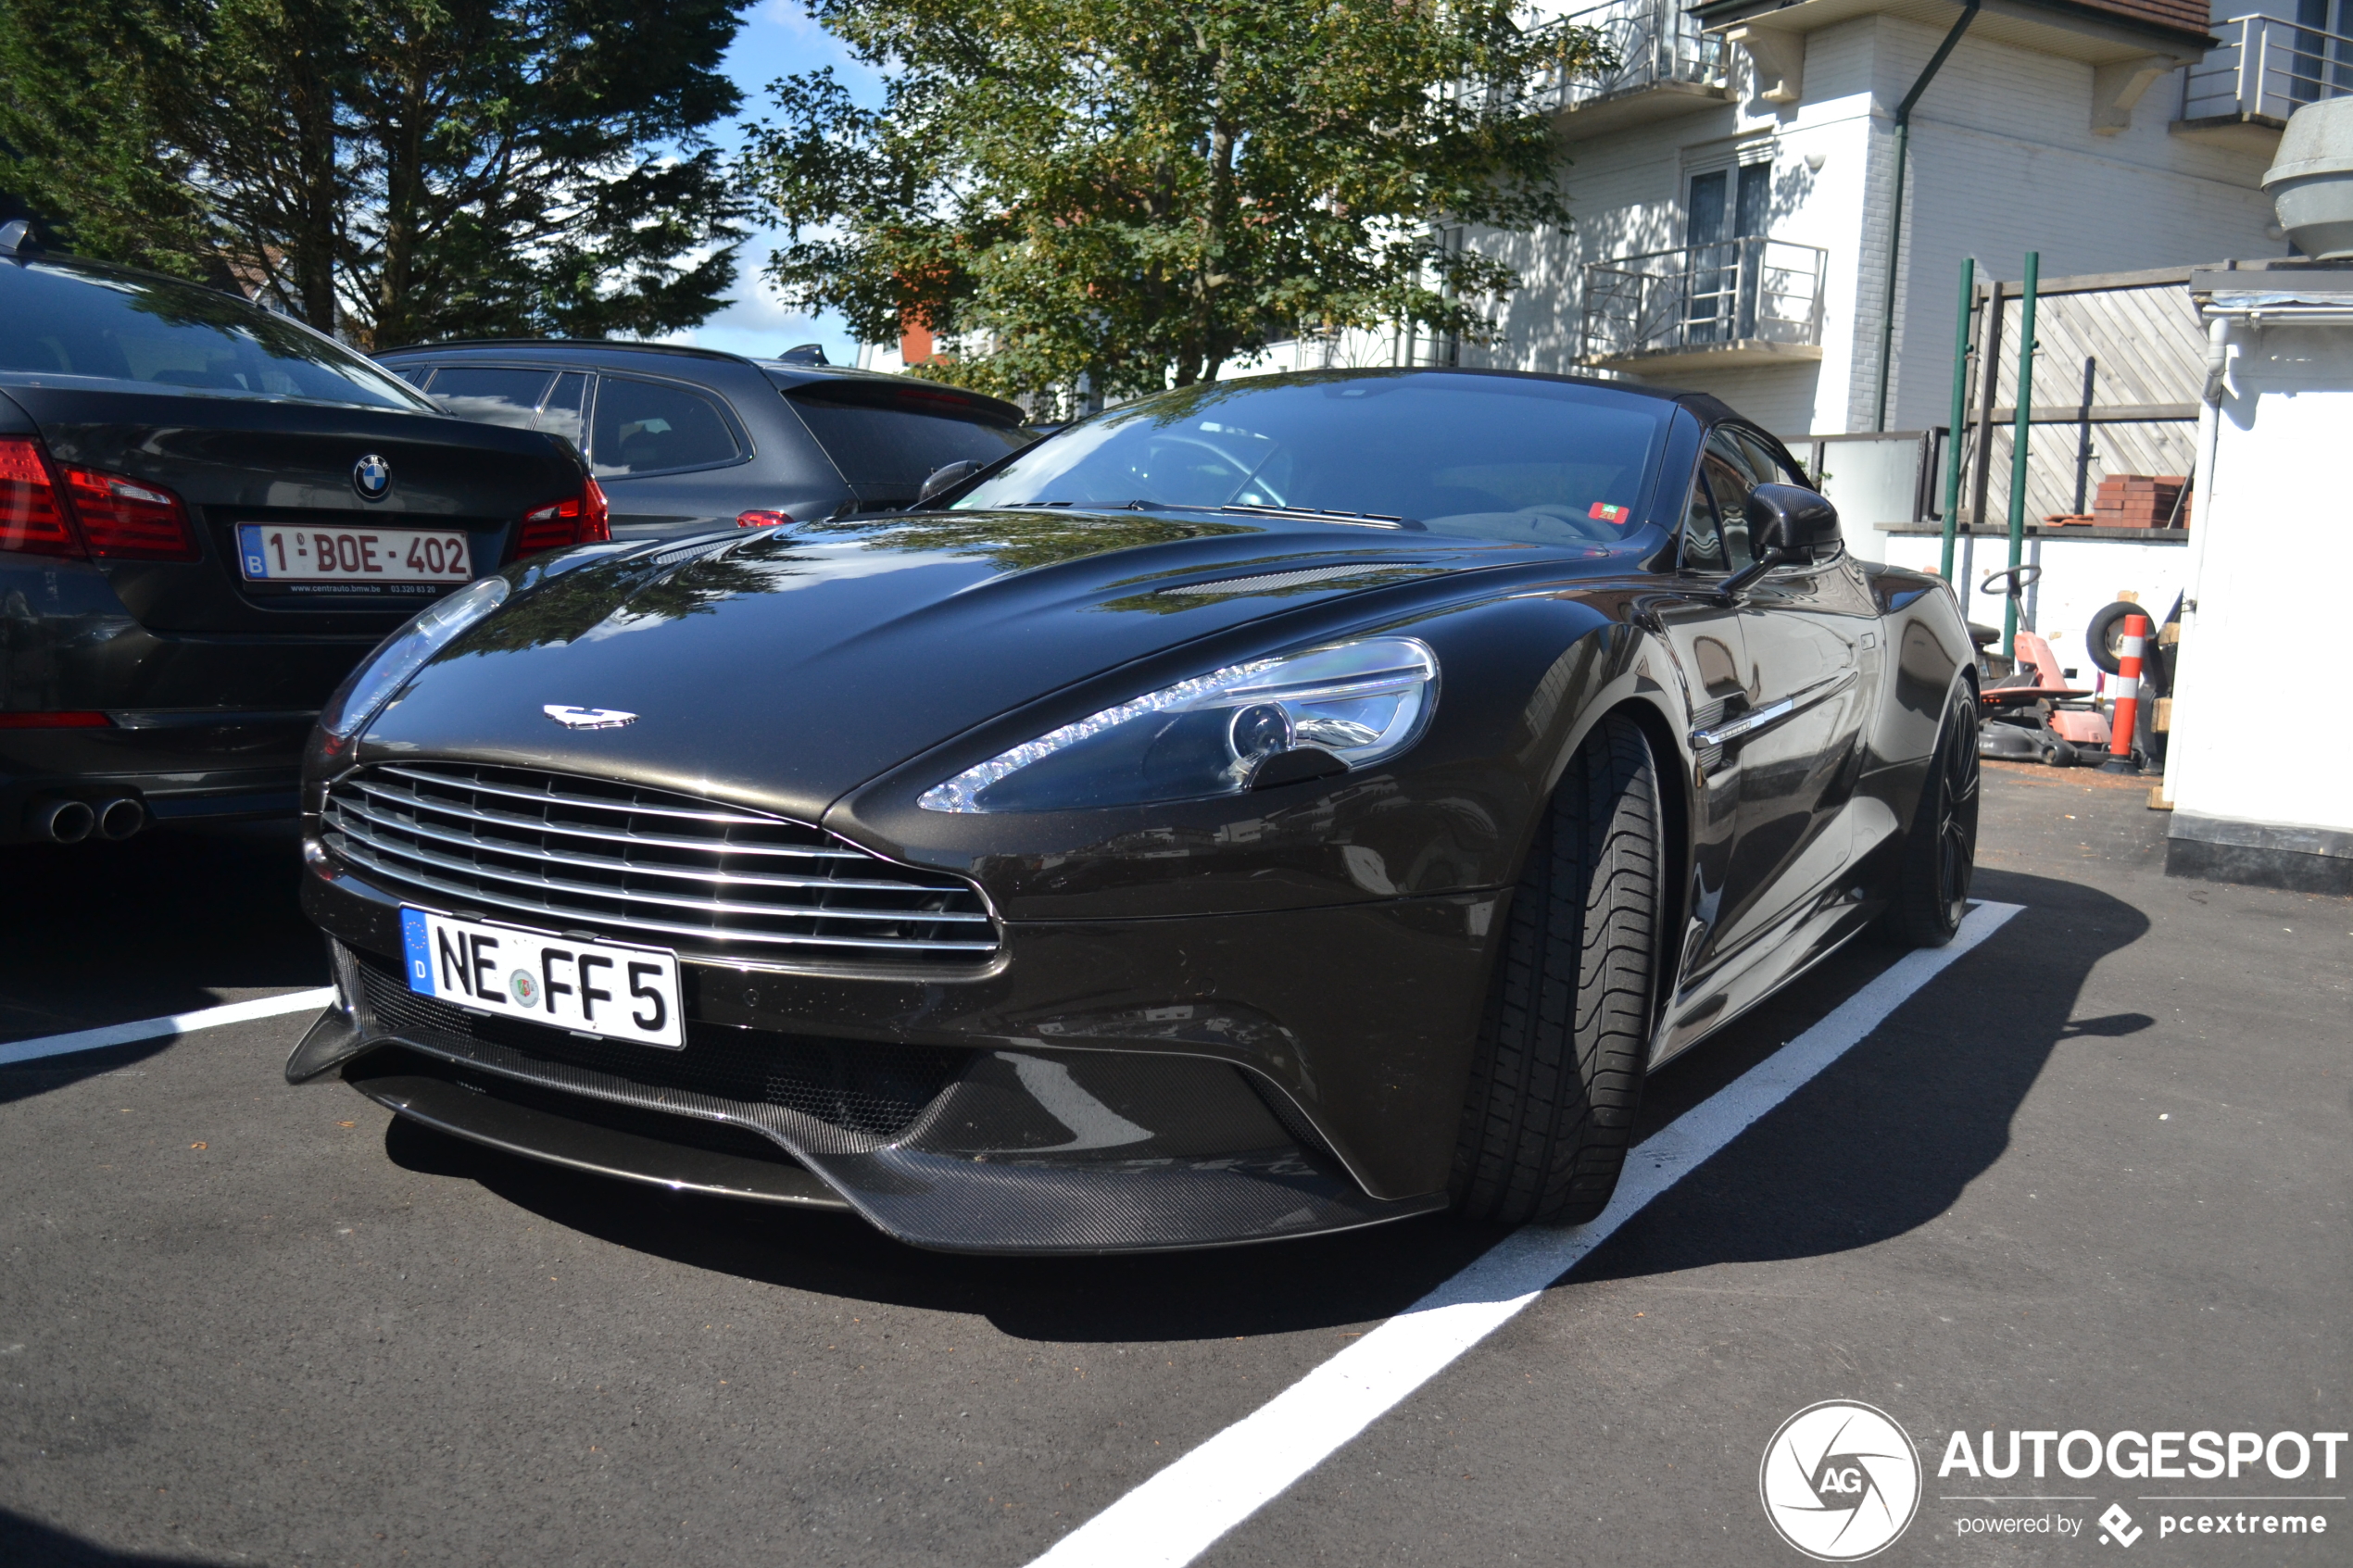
[
  {"x": 271, "y": 553},
  {"x": 595, "y": 987}
]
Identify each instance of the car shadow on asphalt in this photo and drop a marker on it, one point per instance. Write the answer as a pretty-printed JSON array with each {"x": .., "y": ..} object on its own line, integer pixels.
[
  {"x": 159, "y": 924},
  {"x": 1881, "y": 1143},
  {"x": 29, "y": 1542}
]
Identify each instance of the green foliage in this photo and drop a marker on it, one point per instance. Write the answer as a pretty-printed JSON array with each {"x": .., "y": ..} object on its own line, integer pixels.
[
  {"x": 1137, "y": 190},
  {"x": 396, "y": 170}
]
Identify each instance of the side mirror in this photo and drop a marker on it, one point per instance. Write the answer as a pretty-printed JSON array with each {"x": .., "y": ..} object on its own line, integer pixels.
[
  {"x": 947, "y": 478},
  {"x": 1786, "y": 523}
]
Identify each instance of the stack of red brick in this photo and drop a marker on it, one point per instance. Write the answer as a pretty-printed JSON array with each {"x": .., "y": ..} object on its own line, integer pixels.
[{"x": 2140, "y": 500}]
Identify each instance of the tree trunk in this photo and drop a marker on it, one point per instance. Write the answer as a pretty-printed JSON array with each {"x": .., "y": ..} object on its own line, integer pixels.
[
  {"x": 311, "y": 106},
  {"x": 404, "y": 189}
]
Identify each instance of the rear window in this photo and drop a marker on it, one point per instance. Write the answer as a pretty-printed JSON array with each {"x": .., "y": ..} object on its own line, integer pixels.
[
  {"x": 890, "y": 439},
  {"x": 651, "y": 427},
  {"x": 59, "y": 319},
  {"x": 488, "y": 392}
]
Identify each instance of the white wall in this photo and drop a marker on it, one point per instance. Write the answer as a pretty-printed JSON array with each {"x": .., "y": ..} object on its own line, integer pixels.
[
  {"x": 2004, "y": 160},
  {"x": 2257, "y": 735},
  {"x": 2079, "y": 577}
]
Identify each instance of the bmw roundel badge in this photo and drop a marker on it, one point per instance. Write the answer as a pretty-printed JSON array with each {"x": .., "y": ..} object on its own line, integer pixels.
[{"x": 371, "y": 476}]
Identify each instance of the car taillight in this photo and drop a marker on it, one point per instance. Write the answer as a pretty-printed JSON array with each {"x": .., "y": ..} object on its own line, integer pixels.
[
  {"x": 64, "y": 720},
  {"x": 31, "y": 517},
  {"x": 128, "y": 519},
  {"x": 596, "y": 517},
  {"x": 763, "y": 519},
  {"x": 578, "y": 520}
]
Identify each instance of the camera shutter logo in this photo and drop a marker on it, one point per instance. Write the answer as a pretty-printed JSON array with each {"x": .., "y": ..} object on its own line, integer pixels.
[{"x": 1840, "y": 1481}]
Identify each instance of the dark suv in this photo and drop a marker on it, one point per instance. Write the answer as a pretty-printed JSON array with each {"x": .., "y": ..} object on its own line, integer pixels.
[
  {"x": 689, "y": 438},
  {"x": 209, "y": 514}
]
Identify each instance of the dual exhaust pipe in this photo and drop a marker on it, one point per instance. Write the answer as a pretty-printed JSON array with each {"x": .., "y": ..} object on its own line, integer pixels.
[{"x": 71, "y": 821}]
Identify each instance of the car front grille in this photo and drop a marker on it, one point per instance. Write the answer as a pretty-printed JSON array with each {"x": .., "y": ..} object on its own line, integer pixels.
[{"x": 703, "y": 878}]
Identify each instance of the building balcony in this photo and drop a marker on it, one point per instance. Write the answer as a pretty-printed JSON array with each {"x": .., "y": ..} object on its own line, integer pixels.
[
  {"x": 2265, "y": 70},
  {"x": 1752, "y": 301},
  {"x": 1656, "y": 63}
]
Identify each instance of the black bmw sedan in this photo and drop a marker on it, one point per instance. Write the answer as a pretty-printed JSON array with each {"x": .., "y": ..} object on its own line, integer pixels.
[
  {"x": 209, "y": 514},
  {"x": 1265, "y": 808}
]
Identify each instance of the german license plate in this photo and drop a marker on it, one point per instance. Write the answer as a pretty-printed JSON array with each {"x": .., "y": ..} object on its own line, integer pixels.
[
  {"x": 595, "y": 987},
  {"x": 270, "y": 553}
]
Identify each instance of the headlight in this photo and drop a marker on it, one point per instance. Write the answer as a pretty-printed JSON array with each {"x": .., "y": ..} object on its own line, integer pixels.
[
  {"x": 405, "y": 652},
  {"x": 1359, "y": 702}
]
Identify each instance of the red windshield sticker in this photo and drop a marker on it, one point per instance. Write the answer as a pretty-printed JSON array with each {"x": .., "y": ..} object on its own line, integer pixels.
[{"x": 1608, "y": 513}]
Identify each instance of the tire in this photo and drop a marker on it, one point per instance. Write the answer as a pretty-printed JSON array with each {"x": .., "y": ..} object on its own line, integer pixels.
[
  {"x": 1939, "y": 854},
  {"x": 1557, "y": 1074},
  {"x": 2103, "y": 637}
]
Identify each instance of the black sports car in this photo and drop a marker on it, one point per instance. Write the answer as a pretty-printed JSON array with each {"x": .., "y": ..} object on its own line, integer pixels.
[
  {"x": 209, "y": 514},
  {"x": 1267, "y": 807}
]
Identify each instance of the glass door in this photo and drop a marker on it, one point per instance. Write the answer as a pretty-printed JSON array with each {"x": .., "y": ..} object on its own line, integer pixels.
[{"x": 1724, "y": 222}]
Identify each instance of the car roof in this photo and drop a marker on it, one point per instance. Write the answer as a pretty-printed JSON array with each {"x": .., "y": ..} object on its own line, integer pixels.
[{"x": 784, "y": 374}]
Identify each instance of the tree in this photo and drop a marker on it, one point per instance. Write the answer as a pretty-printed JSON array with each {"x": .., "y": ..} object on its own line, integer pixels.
[
  {"x": 1135, "y": 191},
  {"x": 397, "y": 171}
]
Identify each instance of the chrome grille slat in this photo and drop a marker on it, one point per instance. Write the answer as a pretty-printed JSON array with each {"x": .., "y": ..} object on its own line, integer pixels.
[
  {"x": 609, "y": 862},
  {"x": 645, "y": 840},
  {"x": 709, "y": 814},
  {"x": 631, "y": 895},
  {"x": 555, "y": 912},
  {"x": 467, "y": 836}
]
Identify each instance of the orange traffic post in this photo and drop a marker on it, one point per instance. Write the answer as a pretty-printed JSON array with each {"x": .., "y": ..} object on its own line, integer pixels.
[{"x": 2127, "y": 718}]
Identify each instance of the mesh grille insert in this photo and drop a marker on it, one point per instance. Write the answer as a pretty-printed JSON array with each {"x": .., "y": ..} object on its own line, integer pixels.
[{"x": 701, "y": 877}]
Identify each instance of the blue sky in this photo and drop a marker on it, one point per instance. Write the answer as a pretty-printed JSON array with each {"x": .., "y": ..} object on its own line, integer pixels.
[{"x": 778, "y": 39}]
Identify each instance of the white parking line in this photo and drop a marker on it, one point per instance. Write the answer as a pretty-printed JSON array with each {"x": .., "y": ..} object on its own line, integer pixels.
[
  {"x": 1181, "y": 1512},
  {"x": 152, "y": 1028}
]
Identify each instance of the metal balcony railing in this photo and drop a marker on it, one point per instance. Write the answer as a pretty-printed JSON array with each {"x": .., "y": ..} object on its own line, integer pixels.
[
  {"x": 2267, "y": 68},
  {"x": 1746, "y": 290},
  {"x": 1645, "y": 42}
]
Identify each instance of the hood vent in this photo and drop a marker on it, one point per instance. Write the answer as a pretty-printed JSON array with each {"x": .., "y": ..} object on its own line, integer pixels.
[{"x": 1269, "y": 582}]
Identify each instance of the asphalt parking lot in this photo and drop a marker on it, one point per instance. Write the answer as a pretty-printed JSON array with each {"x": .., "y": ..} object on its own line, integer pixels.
[{"x": 2093, "y": 1174}]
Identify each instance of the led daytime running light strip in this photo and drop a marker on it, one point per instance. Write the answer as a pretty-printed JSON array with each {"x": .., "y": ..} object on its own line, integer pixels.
[{"x": 960, "y": 793}]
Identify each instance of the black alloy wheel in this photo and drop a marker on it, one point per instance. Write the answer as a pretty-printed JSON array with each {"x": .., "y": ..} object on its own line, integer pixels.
[
  {"x": 1559, "y": 1071},
  {"x": 1940, "y": 853}
]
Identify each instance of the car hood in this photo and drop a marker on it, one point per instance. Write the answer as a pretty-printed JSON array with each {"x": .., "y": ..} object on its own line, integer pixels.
[{"x": 785, "y": 668}]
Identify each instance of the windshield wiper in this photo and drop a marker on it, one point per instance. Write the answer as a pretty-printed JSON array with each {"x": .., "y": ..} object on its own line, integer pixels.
[{"x": 1325, "y": 514}]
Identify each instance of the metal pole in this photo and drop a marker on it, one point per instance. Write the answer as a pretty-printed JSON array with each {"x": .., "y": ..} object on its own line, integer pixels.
[
  {"x": 1989, "y": 376},
  {"x": 2018, "y": 442},
  {"x": 1895, "y": 212},
  {"x": 1960, "y": 412},
  {"x": 2084, "y": 436}
]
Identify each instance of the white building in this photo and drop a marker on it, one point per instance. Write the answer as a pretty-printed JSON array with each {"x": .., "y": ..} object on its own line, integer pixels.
[
  {"x": 1733, "y": 183},
  {"x": 2279, "y": 404}
]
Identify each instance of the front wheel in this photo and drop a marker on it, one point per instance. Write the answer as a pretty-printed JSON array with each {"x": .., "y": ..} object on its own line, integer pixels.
[
  {"x": 1939, "y": 855},
  {"x": 1559, "y": 1071}
]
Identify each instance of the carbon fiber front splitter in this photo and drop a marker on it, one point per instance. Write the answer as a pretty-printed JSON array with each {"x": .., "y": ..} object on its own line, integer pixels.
[{"x": 1027, "y": 1151}]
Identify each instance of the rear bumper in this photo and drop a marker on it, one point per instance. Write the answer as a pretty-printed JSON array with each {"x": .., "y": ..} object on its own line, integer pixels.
[
  {"x": 185, "y": 766},
  {"x": 1116, "y": 1086}
]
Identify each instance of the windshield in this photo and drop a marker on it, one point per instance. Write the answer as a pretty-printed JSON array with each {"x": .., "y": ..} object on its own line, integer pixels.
[
  {"x": 1483, "y": 457},
  {"x": 76, "y": 318}
]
